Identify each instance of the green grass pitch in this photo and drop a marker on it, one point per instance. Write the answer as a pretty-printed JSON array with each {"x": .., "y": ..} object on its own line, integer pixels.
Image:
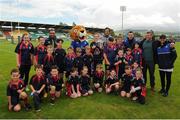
[{"x": 99, "y": 105}]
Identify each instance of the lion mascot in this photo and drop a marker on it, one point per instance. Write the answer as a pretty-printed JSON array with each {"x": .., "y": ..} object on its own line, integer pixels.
[{"x": 78, "y": 35}]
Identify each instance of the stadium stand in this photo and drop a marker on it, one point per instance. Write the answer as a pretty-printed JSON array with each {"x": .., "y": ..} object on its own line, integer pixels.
[
  {"x": 34, "y": 34},
  {"x": 7, "y": 34},
  {"x": 38, "y": 30},
  {"x": 1, "y": 34},
  {"x": 17, "y": 33}
]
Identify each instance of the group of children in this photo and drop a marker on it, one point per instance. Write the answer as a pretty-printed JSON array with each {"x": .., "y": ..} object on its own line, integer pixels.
[{"x": 82, "y": 68}]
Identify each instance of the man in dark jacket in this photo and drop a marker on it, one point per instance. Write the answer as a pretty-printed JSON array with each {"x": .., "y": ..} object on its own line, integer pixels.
[
  {"x": 51, "y": 40},
  {"x": 149, "y": 49},
  {"x": 130, "y": 40}
]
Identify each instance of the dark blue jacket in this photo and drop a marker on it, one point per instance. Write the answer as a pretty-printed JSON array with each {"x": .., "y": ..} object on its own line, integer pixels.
[
  {"x": 166, "y": 56},
  {"x": 129, "y": 43},
  {"x": 69, "y": 61}
]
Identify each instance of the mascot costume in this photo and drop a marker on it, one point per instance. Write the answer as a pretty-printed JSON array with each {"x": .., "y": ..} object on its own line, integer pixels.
[{"x": 78, "y": 35}]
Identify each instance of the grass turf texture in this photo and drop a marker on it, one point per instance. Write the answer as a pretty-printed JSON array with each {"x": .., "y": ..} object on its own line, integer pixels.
[{"x": 99, "y": 105}]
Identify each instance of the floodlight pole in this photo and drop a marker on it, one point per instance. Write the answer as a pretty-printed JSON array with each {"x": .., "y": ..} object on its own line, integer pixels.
[
  {"x": 12, "y": 39},
  {"x": 19, "y": 38},
  {"x": 122, "y": 9}
]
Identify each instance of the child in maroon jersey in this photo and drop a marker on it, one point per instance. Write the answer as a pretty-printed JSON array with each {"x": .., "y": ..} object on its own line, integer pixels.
[
  {"x": 24, "y": 56},
  {"x": 98, "y": 78},
  {"x": 15, "y": 92},
  {"x": 138, "y": 88},
  {"x": 37, "y": 85},
  {"x": 40, "y": 52},
  {"x": 56, "y": 84}
]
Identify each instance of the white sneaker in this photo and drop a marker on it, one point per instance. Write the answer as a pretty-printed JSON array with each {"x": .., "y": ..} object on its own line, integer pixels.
[
  {"x": 100, "y": 90},
  {"x": 38, "y": 110},
  {"x": 134, "y": 98}
]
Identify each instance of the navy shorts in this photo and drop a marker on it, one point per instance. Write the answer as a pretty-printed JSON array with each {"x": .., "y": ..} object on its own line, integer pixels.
[
  {"x": 126, "y": 89},
  {"x": 84, "y": 89},
  {"x": 58, "y": 87}
]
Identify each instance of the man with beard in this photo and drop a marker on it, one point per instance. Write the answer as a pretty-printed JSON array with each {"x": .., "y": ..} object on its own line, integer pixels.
[{"x": 51, "y": 40}]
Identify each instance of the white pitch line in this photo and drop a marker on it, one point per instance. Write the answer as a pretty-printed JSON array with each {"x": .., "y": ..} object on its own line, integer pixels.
[{"x": 10, "y": 52}]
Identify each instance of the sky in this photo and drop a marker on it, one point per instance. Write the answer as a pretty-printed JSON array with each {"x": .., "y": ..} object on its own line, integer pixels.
[{"x": 139, "y": 14}]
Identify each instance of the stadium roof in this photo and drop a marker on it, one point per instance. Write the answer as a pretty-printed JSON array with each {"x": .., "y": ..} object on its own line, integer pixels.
[{"x": 39, "y": 25}]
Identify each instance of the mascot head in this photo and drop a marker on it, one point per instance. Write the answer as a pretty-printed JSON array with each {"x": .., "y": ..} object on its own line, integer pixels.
[{"x": 78, "y": 32}]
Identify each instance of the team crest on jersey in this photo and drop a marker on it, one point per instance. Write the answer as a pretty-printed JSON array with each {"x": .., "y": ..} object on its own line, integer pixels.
[{"x": 96, "y": 51}]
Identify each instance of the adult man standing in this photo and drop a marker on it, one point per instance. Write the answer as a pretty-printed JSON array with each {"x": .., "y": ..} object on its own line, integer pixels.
[
  {"x": 149, "y": 47},
  {"x": 129, "y": 41},
  {"x": 106, "y": 35},
  {"x": 51, "y": 40}
]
